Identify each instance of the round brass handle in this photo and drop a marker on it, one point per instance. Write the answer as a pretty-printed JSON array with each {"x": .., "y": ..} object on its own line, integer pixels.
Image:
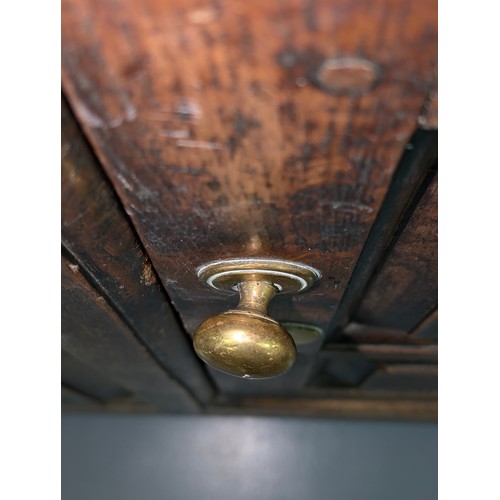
[{"x": 246, "y": 342}]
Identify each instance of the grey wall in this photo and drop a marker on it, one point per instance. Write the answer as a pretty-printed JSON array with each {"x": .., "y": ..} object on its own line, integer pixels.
[{"x": 242, "y": 458}]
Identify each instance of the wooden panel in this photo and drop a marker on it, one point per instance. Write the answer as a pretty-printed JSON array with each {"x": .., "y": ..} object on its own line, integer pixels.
[
  {"x": 405, "y": 289},
  {"x": 86, "y": 380},
  {"x": 417, "y": 162},
  {"x": 94, "y": 334},
  {"x": 97, "y": 233},
  {"x": 225, "y": 135}
]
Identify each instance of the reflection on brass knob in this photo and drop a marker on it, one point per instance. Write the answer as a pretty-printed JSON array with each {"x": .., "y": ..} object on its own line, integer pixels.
[{"x": 246, "y": 342}]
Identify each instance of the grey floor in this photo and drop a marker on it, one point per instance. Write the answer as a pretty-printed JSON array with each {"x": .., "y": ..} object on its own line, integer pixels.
[{"x": 242, "y": 458}]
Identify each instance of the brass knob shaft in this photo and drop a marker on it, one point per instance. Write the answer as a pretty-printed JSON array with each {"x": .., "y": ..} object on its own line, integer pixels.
[{"x": 246, "y": 342}]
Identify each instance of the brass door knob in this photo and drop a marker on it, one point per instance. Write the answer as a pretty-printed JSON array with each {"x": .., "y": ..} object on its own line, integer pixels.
[{"x": 246, "y": 342}]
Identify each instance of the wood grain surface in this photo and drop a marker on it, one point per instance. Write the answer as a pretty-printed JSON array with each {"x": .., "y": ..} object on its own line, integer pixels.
[{"x": 242, "y": 129}]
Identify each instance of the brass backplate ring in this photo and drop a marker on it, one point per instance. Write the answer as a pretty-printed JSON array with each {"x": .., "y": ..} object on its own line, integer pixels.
[{"x": 286, "y": 276}]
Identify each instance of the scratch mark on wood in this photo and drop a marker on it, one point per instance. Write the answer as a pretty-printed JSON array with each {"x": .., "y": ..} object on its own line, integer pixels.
[
  {"x": 175, "y": 134},
  {"x": 352, "y": 206},
  {"x": 188, "y": 109},
  {"x": 124, "y": 182},
  {"x": 94, "y": 121},
  {"x": 181, "y": 143},
  {"x": 71, "y": 222}
]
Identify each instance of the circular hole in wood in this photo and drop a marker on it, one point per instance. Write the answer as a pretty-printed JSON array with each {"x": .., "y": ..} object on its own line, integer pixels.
[{"x": 347, "y": 74}]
